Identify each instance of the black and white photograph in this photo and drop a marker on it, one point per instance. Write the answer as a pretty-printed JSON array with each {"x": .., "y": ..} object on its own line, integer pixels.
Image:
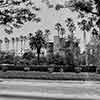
[{"x": 49, "y": 49}]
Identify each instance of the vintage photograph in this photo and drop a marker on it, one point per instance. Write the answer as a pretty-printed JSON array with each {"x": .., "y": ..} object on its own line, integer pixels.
[{"x": 49, "y": 49}]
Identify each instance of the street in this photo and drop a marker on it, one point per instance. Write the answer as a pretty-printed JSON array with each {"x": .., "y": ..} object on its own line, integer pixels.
[{"x": 14, "y": 89}]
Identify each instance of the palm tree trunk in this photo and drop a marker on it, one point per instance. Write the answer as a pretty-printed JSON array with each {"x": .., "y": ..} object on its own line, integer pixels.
[
  {"x": 13, "y": 45},
  {"x": 58, "y": 33},
  {"x": 62, "y": 35},
  {"x": 24, "y": 44},
  {"x": 38, "y": 55},
  {"x": 8, "y": 46},
  {"x": 0, "y": 46},
  {"x": 86, "y": 55},
  {"x": 16, "y": 47},
  {"x": 38, "y": 58},
  {"x": 21, "y": 47},
  {"x": 84, "y": 36}
]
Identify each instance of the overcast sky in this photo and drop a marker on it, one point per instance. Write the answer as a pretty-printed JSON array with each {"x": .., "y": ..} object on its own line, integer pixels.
[{"x": 49, "y": 18}]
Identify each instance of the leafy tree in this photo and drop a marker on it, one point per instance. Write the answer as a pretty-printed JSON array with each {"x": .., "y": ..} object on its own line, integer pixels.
[
  {"x": 37, "y": 42},
  {"x": 87, "y": 8},
  {"x": 14, "y": 13}
]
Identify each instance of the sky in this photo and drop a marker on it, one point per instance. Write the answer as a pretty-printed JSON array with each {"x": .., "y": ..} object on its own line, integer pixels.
[{"x": 49, "y": 18}]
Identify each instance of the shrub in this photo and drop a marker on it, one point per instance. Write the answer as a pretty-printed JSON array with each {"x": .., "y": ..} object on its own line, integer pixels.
[
  {"x": 78, "y": 69},
  {"x": 56, "y": 59},
  {"x": 28, "y": 55}
]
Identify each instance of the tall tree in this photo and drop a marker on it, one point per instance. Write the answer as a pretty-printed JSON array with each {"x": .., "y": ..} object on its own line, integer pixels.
[
  {"x": 72, "y": 51},
  {"x": 6, "y": 43},
  {"x": 30, "y": 35},
  {"x": 63, "y": 32},
  {"x": 24, "y": 40},
  {"x": 46, "y": 35},
  {"x": 71, "y": 27},
  {"x": 21, "y": 42},
  {"x": 85, "y": 27},
  {"x": 37, "y": 42},
  {"x": 14, "y": 13},
  {"x": 17, "y": 42},
  {"x": 89, "y": 9},
  {"x": 13, "y": 43},
  {"x": 58, "y": 28},
  {"x": 95, "y": 33}
]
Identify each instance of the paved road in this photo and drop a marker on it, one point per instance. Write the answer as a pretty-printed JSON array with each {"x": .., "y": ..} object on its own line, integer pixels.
[{"x": 29, "y": 89}]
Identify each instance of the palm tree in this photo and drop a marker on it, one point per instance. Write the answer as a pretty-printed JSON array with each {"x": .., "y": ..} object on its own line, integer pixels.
[
  {"x": 94, "y": 33},
  {"x": 0, "y": 44},
  {"x": 58, "y": 28},
  {"x": 62, "y": 32},
  {"x": 37, "y": 42},
  {"x": 24, "y": 40},
  {"x": 71, "y": 27},
  {"x": 6, "y": 43},
  {"x": 46, "y": 35},
  {"x": 85, "y": 27},
  {"x": 30, "y": 35},
  {"x": 21, "y": 40}
]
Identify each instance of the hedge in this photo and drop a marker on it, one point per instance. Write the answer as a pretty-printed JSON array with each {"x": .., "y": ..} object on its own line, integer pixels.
[
  {"x": 49, "y": 76},
  {"x": 44, "y": 68}
]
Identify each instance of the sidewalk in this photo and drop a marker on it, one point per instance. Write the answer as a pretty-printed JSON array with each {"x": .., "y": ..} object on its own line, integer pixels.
[
  {"x": 65, "y": 90},
  {"x": 39, "y": 95}
]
